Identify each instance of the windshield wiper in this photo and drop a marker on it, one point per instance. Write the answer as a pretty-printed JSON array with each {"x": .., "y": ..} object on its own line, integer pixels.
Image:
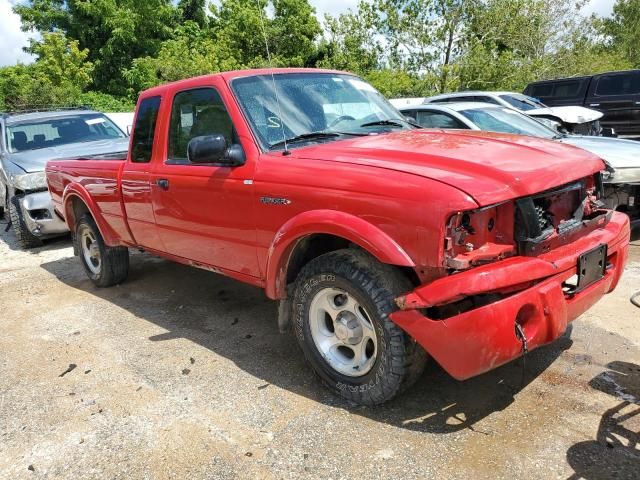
[
  {"x": 303, "y": 137},
  {"x": 313, "y": 136},
  {"x": 396, "y": 122}
]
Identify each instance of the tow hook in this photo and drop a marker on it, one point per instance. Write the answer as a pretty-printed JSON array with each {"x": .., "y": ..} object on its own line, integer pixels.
[{"x": 520, "y": 335}]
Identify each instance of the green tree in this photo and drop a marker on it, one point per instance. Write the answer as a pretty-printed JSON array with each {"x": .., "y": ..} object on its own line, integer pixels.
[
  {"x": 191, "y": 52},
  {"x": 113, "y": 31},
  {"x": 291, "y": 32},
  {"x": 57, "y": 78},
  {"x": 352, "y": 42},
  {"x": 193, "y": 10},
  {"x": 623, "y": 30}
]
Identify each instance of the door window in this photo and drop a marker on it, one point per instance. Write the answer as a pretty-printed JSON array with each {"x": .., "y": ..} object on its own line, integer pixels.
[
  {"x": 196, "y": 113},
  {"x": 144, "y": 130},
  {"x": 437, "y": 120},
  {"x": 622, "y": 84}
]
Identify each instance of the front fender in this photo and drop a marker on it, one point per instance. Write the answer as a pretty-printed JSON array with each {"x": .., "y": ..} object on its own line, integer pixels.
[
  {"x": 74, "y": 190},
  {"x": 350, "y": 227}
]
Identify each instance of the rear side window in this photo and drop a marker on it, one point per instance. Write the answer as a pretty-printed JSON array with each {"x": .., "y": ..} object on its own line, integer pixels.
[
  {"x": 444, "y": 100},
  {"x": 437, "y": 120},
  {"x": 566, "y": 89},
  {"x": 621, "y": 84},
  {"x": 144, "y": 130},
  {"x": 481, "y": 99},
  {"x": 544, "y": 90}
]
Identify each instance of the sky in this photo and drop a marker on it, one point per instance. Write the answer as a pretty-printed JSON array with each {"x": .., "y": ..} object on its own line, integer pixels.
[{"x": 12, "y": 39}]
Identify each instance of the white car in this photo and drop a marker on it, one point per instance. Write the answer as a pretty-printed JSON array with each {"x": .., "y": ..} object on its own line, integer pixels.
[
  {"x": 579, "y": 120},
  {"x": 622, "y": 178}
]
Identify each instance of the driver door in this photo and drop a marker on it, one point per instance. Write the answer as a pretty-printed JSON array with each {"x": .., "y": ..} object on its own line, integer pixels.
[{"x": 204, "y": 213}]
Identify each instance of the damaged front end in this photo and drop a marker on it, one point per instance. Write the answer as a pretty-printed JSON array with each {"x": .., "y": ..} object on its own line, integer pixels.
[
  {"x": 527, "y": 267},
  {"x": 525, "y": 226}
]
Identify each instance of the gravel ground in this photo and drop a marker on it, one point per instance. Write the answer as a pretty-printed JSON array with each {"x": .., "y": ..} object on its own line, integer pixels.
[{"x": 180, "y": 373}]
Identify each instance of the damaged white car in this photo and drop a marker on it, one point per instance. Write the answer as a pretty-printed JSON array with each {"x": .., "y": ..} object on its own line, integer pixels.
[
  {"x": 622, "y": 157},
  {"x": 577, "y": 120}
]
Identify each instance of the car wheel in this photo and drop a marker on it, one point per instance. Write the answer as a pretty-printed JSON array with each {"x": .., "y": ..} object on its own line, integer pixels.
[
  {"x": 25, "y": 238},
  {"x": 105, "y": 266},
  {"x": 342, "y": 302}
]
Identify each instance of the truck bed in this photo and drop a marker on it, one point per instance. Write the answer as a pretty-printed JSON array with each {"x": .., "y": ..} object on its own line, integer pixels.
[{"x": 99, "y": 175}]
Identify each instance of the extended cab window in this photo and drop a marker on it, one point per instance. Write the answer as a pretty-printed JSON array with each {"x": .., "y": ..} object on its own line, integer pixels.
[
  {"x": 196, "y": 113},
  {"x": 144, "y": 130},
  {"x": 566, "y": 89}
]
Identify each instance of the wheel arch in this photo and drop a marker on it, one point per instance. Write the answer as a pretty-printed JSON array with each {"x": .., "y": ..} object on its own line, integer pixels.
[
  {"x": 316, "y": 232},
  {"x": 78, "y": 202}
]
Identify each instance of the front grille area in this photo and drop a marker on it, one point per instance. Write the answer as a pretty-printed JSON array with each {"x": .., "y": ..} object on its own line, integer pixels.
[{"x": 550, "y": 218}]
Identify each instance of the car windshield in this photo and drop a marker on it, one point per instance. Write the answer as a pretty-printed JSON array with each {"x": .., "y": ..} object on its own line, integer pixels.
[
  {"x": 522, "y": 102},
  {"x": 328, "y": 106},
  {"x": 56, "y": 131},
  {"x": 505, "y": 120}
]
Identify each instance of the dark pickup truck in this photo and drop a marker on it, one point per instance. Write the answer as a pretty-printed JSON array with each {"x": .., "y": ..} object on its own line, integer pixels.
[{"x": 616, "y": 94}]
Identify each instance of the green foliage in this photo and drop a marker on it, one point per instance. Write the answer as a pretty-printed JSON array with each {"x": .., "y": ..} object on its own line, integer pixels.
[
  {"x": 241, "y": 27},
  {"x": 103, "y": 102},
  {"x": 58, "y": 76},
  {"x": 193, "y": 10},
  {"x": 102, "y": 53},
  {"x": 114, "y": 31},
  {"x": 189, "y": 53},
  {"x": 623, "y": 30}
]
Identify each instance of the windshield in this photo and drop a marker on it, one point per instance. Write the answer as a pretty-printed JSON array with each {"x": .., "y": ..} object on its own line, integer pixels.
[
  {"x": 53, "y": 132},
  {"x": 522, "y": 102},
  {"x": 313, "y": 103},
  {"x": 505, "y": 120}
]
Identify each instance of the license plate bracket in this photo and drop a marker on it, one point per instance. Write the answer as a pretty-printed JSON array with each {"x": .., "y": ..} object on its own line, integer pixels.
[{"x": 591, "y": 266}]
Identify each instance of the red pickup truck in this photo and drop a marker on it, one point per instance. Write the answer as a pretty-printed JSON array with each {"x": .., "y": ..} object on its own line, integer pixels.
[{"x": 385, "y": 244}]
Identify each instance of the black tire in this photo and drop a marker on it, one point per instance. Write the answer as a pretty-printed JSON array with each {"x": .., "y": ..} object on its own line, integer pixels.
[
  {"x": 114, "y": 261},
  {"x": 25, "y": 238},
  {"x": 399, "y": 360}
]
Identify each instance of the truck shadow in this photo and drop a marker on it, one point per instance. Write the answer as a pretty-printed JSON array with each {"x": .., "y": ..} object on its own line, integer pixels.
[
  {"x": 615, "y": 453},
  {"x": 238, "y": 322}
]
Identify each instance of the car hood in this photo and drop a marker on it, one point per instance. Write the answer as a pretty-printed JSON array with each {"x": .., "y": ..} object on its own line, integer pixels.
[
  {"x": 616, "y": 152},
  {"x": 35, "y": 160},
  {"x": 490, "y": 167},
  {"x": 573, "y": 115}
]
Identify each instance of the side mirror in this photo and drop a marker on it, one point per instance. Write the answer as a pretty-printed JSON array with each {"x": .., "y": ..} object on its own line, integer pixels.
[{"x": 208, "y": 149}]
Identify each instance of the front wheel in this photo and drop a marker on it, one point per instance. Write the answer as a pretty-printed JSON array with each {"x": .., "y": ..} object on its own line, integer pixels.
[
  {"x": 25, "y": 238},
  {"x": 342, "y": 303},
  {"x": 105, "y": 266}
]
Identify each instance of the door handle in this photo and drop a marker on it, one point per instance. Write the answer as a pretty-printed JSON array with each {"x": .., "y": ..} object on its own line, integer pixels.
[{"x": 163, "y": 183}]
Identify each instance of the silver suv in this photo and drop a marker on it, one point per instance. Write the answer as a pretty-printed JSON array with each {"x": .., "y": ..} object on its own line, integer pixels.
[{"x": 28, "y": 141}]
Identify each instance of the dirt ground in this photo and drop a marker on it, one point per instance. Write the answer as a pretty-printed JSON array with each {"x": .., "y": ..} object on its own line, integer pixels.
[{"x": 180, "y": 373}]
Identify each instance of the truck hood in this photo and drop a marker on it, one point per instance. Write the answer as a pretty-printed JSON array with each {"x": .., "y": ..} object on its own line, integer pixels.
[
  {"x": 490, "y": 167},
  {"x": 35, "y": 160},
  {"x": 572, "y": 115}
]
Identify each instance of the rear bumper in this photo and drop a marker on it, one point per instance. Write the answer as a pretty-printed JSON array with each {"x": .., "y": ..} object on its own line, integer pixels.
[
  {"x": 40, "y": 217},
  {"x": 484, "y": 338}
]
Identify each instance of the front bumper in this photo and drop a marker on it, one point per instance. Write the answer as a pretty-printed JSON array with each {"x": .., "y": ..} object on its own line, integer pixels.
[
  {"x": 40, "y": 217},
  {"x": 484, "y": 338}
]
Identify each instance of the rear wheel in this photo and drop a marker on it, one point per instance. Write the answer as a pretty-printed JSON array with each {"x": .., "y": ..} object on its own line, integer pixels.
[
  {"x": 25, "y": 238},
  {"x": 105, "y": 266},
  {"x": 342, "y": 303}
]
